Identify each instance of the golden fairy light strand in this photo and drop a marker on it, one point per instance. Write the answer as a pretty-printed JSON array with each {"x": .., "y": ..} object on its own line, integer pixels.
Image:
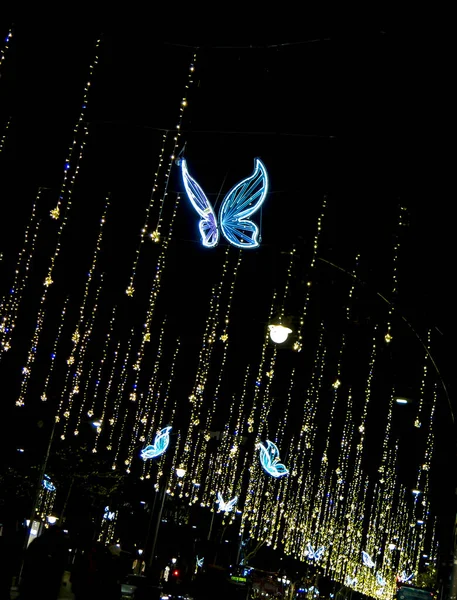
[
  {"x": 3, "y": 137},
  {"x": 83, "y": 399},
  {"x": 44, "y": 394},
  {"x": 155, "y": 235},
  {"x": 93, "y": 407},
  {"x": 396, "y": 250},
  {"x": 189, "y": 454},
  {"x": 143, "y": 233},
  {"x": 5, "y": 47},
  {"x": 106, "y": 396},
  {"x": 417, "y": 421},
  {"x": 74, "y": 373},
  {"x": 182, "y": 108},
  {"x": 10, "y": 305},
  {"x": 352, "y": 288},
  {"x": 79, "y": 126},
  {"x": 155, "y": 289},
  {"x": 120, "y": 392},
  {"x": 77, "y": 333},
  {"x": 287, "y": 284},
  {"x": 299, "y": 341},
  {"x": 143, "y": 414},
  {"x": 26, "y": 370}
]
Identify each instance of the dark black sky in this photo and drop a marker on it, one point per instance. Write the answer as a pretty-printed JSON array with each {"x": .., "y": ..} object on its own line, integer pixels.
[{"x": 358, "y": 113}]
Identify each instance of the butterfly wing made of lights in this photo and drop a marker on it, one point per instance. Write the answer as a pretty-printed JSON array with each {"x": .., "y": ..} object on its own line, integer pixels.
[
  {"x": 366, "y": 558},
  {"x": 269, "y": 459},
  {"x": 231, "y": 504},
  {"x": 241, "y": 202},
  {"x": 159, "y": 446},
  {"x": 208, "y": 222}
]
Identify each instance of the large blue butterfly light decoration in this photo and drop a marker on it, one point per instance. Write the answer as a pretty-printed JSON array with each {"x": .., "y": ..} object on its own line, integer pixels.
[
  {"x": 159, "y": 446},
  {"x": 269, "y": 459},
  {"x": 48, "y": 485},
  {"x": 241, "y": 202}
]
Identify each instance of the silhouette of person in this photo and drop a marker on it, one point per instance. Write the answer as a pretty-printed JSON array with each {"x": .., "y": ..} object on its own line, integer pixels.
[{"x": 44, "y": 565}]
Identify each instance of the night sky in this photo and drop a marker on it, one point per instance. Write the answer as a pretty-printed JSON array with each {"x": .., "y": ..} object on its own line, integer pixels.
[{"x": 359, "y": 115}]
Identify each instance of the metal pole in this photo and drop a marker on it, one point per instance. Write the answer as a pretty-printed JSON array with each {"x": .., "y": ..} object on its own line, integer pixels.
[
  {"x": 159, "y": 520},
  {"x": 37, "y": 495}
]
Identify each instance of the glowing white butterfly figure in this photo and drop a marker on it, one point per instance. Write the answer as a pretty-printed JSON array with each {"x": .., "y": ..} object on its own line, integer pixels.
[
  {"x": 241, "y": 202},
  {"x": 351, "y": 581},
  {"x": 226, "y": 506},
  {"x": 366, "y": 559},
  {"x": 269, "y": 459},
  {"x": 380, "y": 579},
  {"x": 405, "y": 578},
  {"x": 200, "y": 562},
  {"x": 108, "y": 516},
  {"x": 315, "y": 554},
  {"x": 159, "y": 446},
  {"x": 48, "y": 485}
]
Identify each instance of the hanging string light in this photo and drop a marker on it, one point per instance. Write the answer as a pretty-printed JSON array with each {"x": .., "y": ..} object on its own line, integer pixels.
[
  {"x": 26, "y": 370},
  {"x": 396, "y": 250},
  {"x": 106, "y": 396},
  {"x": 3, "y": 137},
  {"x": 6, "y": 42},
  {"x": 44, "y": 395},
  {"x": 417, "y": 421},
  {"x": 156, "y": 234},
  {"x": 10, "y": 305},
  {"x": 114, "y": 419},
  {"x": 299, "y": 341}
]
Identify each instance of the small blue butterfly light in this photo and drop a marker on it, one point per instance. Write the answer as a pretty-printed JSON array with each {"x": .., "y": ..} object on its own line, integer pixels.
[
  {"x": 269, "y": 459},
  {"x": 241, "y": 202},
  {"x": 159, "y": 446},
  {"x": 226, "y": 506},
  {"x": 108, "y": 515},
  {"x": 380, "y": 579},
  {"x": 366, "y": 559},
  {"x": 315, "y": 554},
  {"x": 200, "y": 561},
  {"x": 351, "y": 580},
  {"x": 48, "y": 485}
]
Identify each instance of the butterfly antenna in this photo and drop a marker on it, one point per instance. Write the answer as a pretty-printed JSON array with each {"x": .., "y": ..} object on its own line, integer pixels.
[{"x": 180, "y": 155}]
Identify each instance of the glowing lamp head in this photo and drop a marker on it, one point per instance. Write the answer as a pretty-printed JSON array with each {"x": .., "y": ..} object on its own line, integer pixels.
[
  {"x": 180, "y": 472},
  {"x": 51, "y": 520},
  {"x": 279, "y": 333}
]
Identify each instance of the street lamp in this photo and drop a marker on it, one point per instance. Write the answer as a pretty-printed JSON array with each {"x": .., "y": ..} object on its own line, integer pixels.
[{"x": 279, "y": 333}]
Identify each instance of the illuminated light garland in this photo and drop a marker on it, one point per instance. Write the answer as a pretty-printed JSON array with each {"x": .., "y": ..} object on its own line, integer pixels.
[
  {"x": 269, "y": 459},
  {"x": 44, "y": 394},
  {"x": 106, "y": 396},
  {"x": 5, "y": 47},
  {"x": 299, "y": 341},
  {"x": 84, "y": 398},
  {"x": 74, "y": 373},
  {"x": 10, "y": 306},
  {"x": 130, "y": 288},
  {"x": 114, "y": 420},
  {"x": 242, "y": 201},
  {"x": 26, "y": 370},
  {"x": 417, "y": 421},
  {"x": 160, "y": 445},
  {"x": 92, "y": 410},
  {"x": 315, "y": 555},
  {"x": 396, "y": 249},
  {"x": 183, "y": 105},
  {"x": 145, "y": 422},
  {"x": 189, "y": 455},
  {"x": 3, "y": 138}
]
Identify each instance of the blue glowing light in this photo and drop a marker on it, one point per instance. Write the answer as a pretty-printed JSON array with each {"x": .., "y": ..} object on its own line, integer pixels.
[
  {"x": 226, "y": 506},
  {"x": 404, "y": 578},
  {"x": 315, "y": 554},
  {"x": 269, "y": 459},
  {"x": 380, "y": 579},
  {"x": 351, "y": 580},
  {"x": 48, "y": 485},
  {"x": 159, "y": 446},
  {"x": 108, "y": 515},
  {"x": 241, "y": 202},
  {"x": 200, "y": 562},
  {"x": 366, "y": 559}
]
